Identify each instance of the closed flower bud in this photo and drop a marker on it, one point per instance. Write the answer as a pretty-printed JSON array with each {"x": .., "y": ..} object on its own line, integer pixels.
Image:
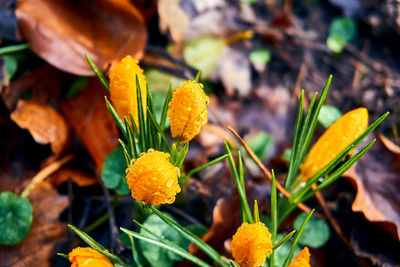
[
  {"x": 88, "y": 257},
  {"x": 153, "y": 179},
  {"x": 302, "y": 259},
  {"x": 123, "y": 88},
  {"x": 335, "y": 139},
  {"x": 187, "y": 111},
  {"x": 251, "y": 244}
]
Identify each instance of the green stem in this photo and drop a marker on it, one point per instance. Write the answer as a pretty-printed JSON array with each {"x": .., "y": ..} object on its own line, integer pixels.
[
  {"x": 13, "y": 48},
  {"x": 202, "y": 167}
]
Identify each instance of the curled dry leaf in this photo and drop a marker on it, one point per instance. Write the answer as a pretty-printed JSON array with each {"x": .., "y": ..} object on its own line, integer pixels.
[
  {"x": 44, "y": 123},
  {"x": 226, "y": 219},
  {"x": 45, "y": 232},
  {"x": 87, "y": 114},
  {"x": 62, "y": 31},
  {"x": 378, "y": 179},
  {"x": 80, "y": 177}
]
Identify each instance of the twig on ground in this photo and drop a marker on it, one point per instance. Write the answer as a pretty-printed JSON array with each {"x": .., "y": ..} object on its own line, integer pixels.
[
  {"x": 46, "y": 172},
  {"x": 329, "y": 217},
  {"x": 115, "y": 242}
]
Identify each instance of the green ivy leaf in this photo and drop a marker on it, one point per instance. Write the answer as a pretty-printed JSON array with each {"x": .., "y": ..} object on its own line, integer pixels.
[
  {"x": 114, "y": 166},
  {"x": 15, "y": 218},
  {"x": 328, "y": 115},
  {"x": 260, "y": 143},
  {"x": 286, "y": 155},
  {"x": 341, "y": 32},
  {"x": 157, "y": 256},
  {"x": 316, "y": 232},
  {"x": 122, "y": 188},
  {"x": 344, "y": 27},
  {"x": 11, "y": 66},
  {"x": 283, "y": 251},
  {"x": 336, "y": 43},
  {"x": 260, "y": 56},
  {"x": 203, "y": 54},
  {"x": 76, "y": 87}
]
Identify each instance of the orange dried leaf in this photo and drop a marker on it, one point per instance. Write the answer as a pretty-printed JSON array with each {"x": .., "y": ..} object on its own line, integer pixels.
[
  {"x": 336, "y": 138},
  {"x": 123, "y": 88},
  {"x": 153, "y": 179},
  {"x": 63, "y": 31},
  {"x": 187, "y": 111},
  {"x": 88, "y": 257},
  {"x": 43, "y": 122},
  {"x": 302, "y": 259},
  {"x": 251, "y": 244}
]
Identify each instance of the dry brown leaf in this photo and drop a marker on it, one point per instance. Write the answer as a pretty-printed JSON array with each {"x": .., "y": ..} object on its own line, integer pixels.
[
  {"x": 46, "y": 230},
  {"x": 226, "y": 220},
  {"x": 203, "y": 18},
  {"x": 80, "y": 177},
  {"x": 39, "y": 80},
  {"x": 62, "y": 31},
  {"x": 378, "y": 180},
  {"x": 89, "y": 117},
  {"x": 44, "y": 123}
]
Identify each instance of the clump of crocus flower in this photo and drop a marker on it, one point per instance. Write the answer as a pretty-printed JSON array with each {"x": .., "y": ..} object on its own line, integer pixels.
[
  {"x": 251, "y": 244},
  {"x": 187, "y": 111},
  {"x": 88, "y": 257},
  {"x": 302, "y": 259},
  {"x": 336, "y": 138},
  {"x": 123, "y": 88},
  {"x": 152, "y": 178}
]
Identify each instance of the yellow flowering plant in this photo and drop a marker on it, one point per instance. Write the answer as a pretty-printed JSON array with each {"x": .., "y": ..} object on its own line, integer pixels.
[
  {"x": 153, "y": 179},
  {"x": 154, "y": 166}
]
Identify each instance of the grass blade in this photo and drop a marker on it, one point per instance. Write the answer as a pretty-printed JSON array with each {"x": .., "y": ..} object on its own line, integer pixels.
[
  {"x": 202, "y": 167},
  {"x": 131, "y": 139},
  {"x": 292, "y": 171},
  {"x": 283, "y": 240},
  {"x": 330, "y": 166},
  {"x": 95, "y": 245},
  {"x": 65, "y": 256},
  {"x": 117, "y": 119},
  {"x": 244, "y": 205},
  {"x": 127, "y": 158},
  {"x": 98, "y": 73},
  {"x": 214, "y": 255},
  {"x": 181, "y": 156},
  {"x": 314, "y": 119},
  {"x": 135, "y": 255},
  {"x": 142, "y": 125},
  {"x": 340, "y": 171},
  {"x": 274, "y": 214},
  {"x": 163, "y": 136},
  {"x": 165, "y": 107},
  {"x": 168, "y": 246},
  {"x": 197, "y": 78},
  {"x": 296, "y": 239}
]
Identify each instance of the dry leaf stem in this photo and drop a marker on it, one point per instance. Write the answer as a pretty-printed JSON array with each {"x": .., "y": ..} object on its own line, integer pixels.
[
  {"x": 45, "y": 172},
  {"x": 329, "y": 217},
  {"x": 265, "y": 171}
]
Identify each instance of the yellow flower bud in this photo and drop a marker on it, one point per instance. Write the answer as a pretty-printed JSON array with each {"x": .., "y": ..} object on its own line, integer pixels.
[
  {"x": 152, "y": 178},
  {"x": 123, "y": 88},
  {"x": 251, "y": 244},
  {"x": 88, "y": 257},
  {"x": 302, "y": 259},
  {"x": 187, "y": 111},
  {"x": 336, "y": 138}
]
